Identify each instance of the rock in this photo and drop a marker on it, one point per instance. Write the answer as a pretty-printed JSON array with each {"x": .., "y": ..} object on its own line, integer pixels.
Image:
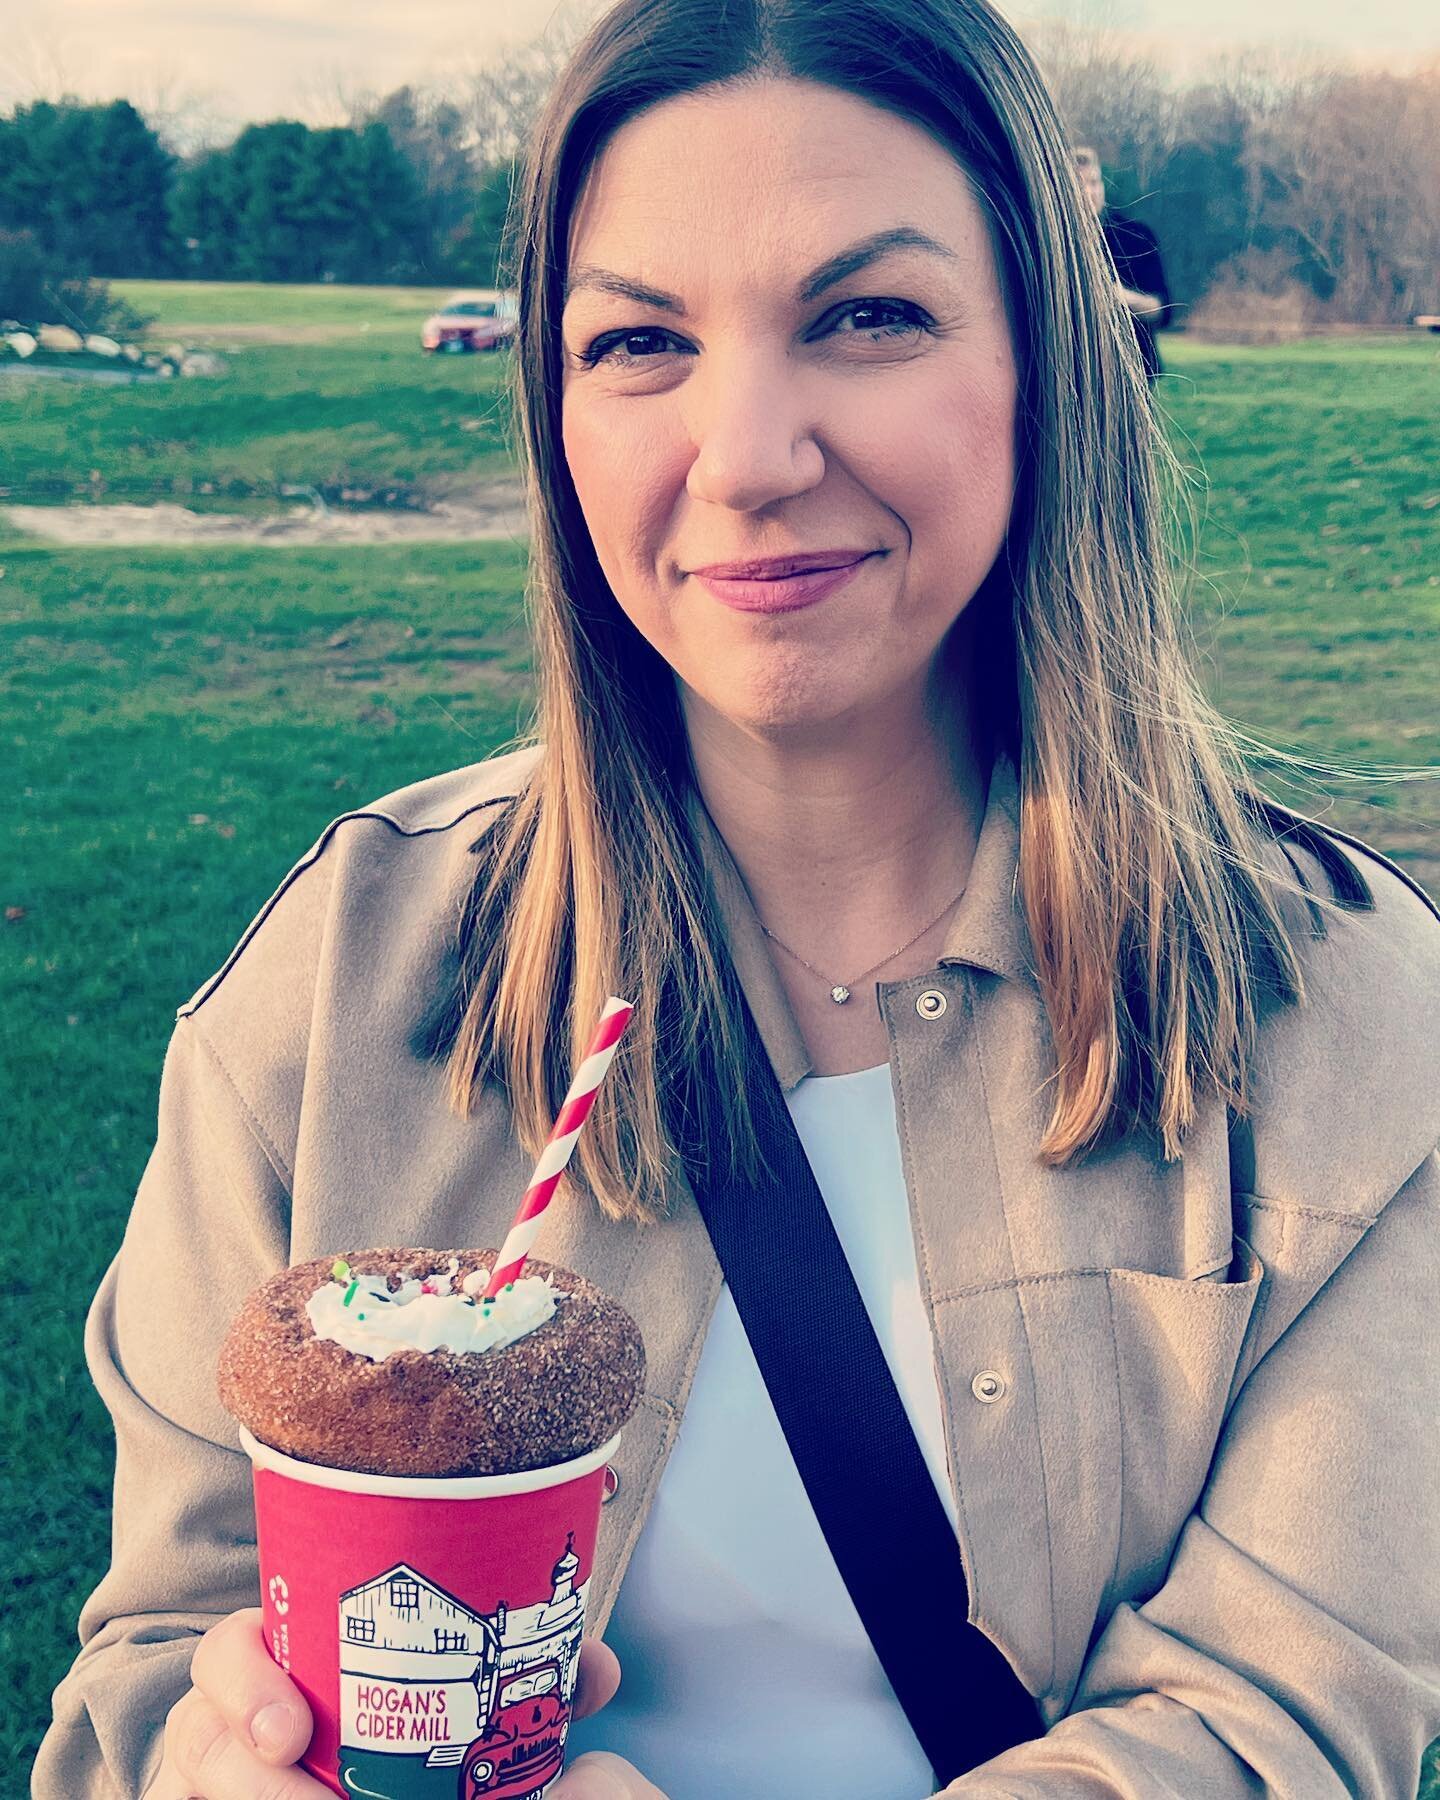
[
  {"x": 60, "y": 337},
  {"x": 101, "y": 346},
  {"x": 202, "y": 362},
  {"x": 21, "y": 342}
]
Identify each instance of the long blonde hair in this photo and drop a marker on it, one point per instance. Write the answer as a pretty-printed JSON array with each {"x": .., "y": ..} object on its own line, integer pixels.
[{"x": 1150, "y": 883}]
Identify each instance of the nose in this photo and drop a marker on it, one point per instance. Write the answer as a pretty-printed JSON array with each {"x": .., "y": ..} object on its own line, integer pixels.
[{"x": 753, "y": 436}]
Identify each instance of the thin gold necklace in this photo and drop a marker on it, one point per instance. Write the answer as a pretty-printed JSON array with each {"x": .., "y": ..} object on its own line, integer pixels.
[{"x": 840, "y": 990}]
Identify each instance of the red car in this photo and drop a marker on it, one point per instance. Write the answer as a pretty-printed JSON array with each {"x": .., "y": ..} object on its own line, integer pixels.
[
  {"x": 524, "y": 1743},
  {"x": 478, "y": 319}
]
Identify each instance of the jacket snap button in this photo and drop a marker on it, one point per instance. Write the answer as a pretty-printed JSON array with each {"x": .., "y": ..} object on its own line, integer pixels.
[
  {"x": 611, "y": 1487},
  {"x": 931, "y": 1004},
  {"x": 988, "y": 1386}
]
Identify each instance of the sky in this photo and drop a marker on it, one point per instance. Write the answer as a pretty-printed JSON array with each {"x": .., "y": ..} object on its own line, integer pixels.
[{"x": 219, "y": 65}]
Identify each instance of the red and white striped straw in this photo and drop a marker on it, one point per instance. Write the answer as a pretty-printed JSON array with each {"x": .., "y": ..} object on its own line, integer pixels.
[{"x": 551, "y": 1166}]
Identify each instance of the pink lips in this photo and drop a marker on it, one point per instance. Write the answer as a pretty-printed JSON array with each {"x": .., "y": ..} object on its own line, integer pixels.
[{"x": 782, "y": 593}]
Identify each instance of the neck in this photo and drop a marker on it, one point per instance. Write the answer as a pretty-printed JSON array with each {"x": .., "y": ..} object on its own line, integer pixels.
[{"x": 853, "y": 836}]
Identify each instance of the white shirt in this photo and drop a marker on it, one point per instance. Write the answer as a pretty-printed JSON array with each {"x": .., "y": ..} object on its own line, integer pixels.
[{"x": 745, "y": 1668}]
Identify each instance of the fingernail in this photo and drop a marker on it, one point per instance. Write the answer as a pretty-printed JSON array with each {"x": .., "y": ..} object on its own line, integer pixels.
[{"x": 273, "y": 1726}]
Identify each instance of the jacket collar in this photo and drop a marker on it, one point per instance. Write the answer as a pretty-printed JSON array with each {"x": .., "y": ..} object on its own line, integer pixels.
[{"x": 987, "y": 931}]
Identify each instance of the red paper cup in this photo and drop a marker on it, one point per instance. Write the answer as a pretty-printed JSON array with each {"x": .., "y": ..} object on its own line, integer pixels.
[{"x": 432, "y": 1624}]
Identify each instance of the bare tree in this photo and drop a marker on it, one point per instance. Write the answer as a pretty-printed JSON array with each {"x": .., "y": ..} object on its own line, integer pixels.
[
  {"x": 40, "y": 64},
  {"x": 1349, "y": 173},
  {"x": 1273, "y": 178},
  {"x": 1111, "y": 96},
  {"x": 188, "y": 119},
  {"x": 331, "y": 94},
  {"x": 502, "y": 99},
  {"x": 434, "y": 136}
]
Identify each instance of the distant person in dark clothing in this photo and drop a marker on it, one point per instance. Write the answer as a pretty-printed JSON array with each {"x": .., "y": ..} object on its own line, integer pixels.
[{"x": 1136, "y": 255}]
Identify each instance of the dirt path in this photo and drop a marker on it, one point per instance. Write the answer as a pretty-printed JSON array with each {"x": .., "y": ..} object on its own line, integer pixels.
[{"x": 494, "y": 510}]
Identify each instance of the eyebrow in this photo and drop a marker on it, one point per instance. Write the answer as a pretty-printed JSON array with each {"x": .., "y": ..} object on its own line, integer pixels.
[{"x": 836, "y": 268}]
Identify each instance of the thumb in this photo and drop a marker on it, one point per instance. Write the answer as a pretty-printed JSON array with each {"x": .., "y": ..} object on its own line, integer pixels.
[
  {"x": 599, "y": 1776},
  {"x": 597, "y": 1678}
]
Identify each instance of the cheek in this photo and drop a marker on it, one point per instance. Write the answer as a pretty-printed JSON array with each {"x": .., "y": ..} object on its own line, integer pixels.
[
  {"x": 952, "y": 470},
  {"x": 620, "y": 480},
  {"x": 590, "y": 457}
]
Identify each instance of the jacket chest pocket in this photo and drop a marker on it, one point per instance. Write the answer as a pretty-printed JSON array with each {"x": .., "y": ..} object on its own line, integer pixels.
[
  {"x": 1132, "y": 1372},
  {"x": 1177, "y": 1347}
]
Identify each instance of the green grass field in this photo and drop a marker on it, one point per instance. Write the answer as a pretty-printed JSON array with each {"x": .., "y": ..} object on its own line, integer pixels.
[
  {"x": 326, "y": 387},
  {"x": 180, "y": 723}
]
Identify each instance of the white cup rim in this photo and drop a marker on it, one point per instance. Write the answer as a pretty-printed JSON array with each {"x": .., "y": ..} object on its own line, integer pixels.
[{"x": 426, "y": 1487}]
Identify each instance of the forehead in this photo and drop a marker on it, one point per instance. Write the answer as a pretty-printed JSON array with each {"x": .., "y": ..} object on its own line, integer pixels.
[{"x": 764, "y": 173}]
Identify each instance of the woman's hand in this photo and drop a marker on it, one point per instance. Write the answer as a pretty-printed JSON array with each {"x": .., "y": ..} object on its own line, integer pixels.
[
  {"x": 234, "y": 1735},
  {"x": 597, "y": 1775},
  {"x": 223, "y": 1741},
  {"x": 1144, "y": 306}
]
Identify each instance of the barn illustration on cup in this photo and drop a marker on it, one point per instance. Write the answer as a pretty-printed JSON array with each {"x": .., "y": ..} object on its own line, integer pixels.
[{"x": 439, "y": 1700}]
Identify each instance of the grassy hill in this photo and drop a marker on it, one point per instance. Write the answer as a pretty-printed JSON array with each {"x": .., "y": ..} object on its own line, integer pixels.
[{"x": 179, "y": 723}]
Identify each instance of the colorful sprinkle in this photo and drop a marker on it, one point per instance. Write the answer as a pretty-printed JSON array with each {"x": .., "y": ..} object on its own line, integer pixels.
[
  {"x": 350, "y": 1292},
  {"x": 341, "y": 1269},
  {"x": 359, "y": 1315}
]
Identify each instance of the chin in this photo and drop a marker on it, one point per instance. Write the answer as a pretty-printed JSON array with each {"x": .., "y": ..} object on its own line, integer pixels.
[{"x": 782, "y": 700}]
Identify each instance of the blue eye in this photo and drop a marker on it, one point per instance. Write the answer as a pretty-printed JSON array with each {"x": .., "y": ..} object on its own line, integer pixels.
[{"x": 607, "y": 347}]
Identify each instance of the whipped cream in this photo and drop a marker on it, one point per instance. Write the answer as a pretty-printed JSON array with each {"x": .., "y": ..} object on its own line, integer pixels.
[{"x": 427, "y": 1314}]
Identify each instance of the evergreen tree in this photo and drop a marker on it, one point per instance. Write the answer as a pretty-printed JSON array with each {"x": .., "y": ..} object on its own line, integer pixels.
[
  {"x": 433, "y": 137},
  {"x": 288, "y": 203},
  {"x": 480, "y": 250},
  {"x": 91, "y": 182}
]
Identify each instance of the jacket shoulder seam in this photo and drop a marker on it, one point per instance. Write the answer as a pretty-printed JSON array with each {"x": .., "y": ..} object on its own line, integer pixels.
[
  {"x": 1379, "y": 856},
  {"x": 262, "y": 1137},
  {"x": 310, "y": 858}
]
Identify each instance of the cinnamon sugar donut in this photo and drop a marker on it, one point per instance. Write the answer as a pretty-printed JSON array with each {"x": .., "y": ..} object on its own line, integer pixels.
[{"x": 560, "y": 1390}]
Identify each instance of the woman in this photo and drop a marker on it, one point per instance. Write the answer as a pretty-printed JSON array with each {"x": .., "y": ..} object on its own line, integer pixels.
[{"x": 1128, "y": 1127}]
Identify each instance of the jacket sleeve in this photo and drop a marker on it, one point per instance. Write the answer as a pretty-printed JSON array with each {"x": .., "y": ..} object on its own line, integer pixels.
[
  {"x": 1293, "y": 1649},
  {"x": 209, "y": 1221},
  {"x": 1150, "y": 276}
]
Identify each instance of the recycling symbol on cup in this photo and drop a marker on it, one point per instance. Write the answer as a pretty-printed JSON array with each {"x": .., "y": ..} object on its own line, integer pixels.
[{"x": 279, "y": 1594}]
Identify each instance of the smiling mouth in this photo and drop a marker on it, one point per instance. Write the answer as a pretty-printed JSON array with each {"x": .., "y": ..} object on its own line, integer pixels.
[{"x": 778, "y": 569}]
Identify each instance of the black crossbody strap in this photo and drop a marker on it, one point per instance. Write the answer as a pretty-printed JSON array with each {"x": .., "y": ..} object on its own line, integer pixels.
[{"x": 853, "y": 1444}]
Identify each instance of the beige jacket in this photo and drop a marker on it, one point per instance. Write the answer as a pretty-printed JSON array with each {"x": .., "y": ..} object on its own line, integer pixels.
[{"x": 1200, "y": 1519}]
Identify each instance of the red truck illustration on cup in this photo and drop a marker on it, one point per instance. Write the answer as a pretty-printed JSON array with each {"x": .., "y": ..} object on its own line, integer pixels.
[
  {"x": 524, "y": 1746},
  {"x": 438, "y": 1702}
]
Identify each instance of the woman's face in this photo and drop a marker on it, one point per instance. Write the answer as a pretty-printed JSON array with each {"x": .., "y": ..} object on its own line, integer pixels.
[{"x": 756, "y": 402}]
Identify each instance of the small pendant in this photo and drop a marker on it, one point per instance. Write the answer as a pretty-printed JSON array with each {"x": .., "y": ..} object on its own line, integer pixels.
[{"x": 839, "y": 995}]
